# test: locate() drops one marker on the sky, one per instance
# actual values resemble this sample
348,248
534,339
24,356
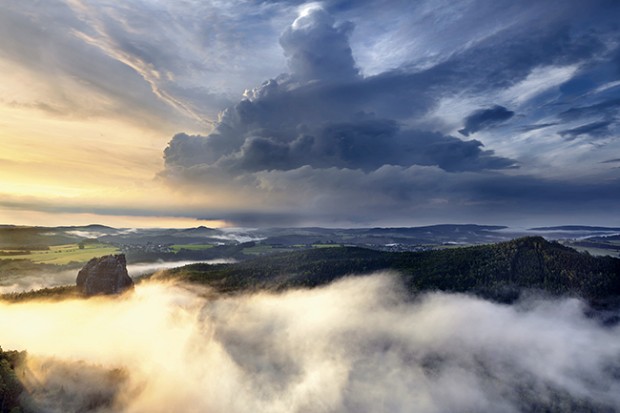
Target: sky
285,113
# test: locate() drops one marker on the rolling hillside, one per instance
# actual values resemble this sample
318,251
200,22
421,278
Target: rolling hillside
496,271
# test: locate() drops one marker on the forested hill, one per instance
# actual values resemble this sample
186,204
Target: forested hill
10,386
497,271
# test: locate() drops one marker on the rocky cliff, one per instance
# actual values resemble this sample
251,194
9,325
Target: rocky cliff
104,275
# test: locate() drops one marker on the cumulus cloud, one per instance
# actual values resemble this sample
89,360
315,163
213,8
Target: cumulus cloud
327,135
358,345
322,117
365,144
317,49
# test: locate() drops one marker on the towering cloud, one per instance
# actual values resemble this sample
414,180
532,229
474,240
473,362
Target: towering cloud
485,118
317,49
314,142
323,122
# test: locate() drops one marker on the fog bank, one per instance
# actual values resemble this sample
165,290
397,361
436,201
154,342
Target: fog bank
358,345
45,279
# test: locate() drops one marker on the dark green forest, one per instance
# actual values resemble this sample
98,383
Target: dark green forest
495,271
498,271
10,386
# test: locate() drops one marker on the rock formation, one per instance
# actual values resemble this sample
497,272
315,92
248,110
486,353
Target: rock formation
104,275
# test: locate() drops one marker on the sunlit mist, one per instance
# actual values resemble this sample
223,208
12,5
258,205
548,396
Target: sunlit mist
357,345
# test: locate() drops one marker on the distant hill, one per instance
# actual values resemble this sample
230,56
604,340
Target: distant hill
426,235
10,385
576,228
604,238
498,271
440,228
32,238
90,227
143,244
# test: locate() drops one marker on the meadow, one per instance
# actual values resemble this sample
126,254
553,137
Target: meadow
62,254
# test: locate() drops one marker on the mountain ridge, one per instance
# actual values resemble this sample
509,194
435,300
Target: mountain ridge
498,271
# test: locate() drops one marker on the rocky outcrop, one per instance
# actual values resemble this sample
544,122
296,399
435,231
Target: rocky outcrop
104,275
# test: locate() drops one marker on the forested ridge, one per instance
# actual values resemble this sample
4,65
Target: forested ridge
497,271
10,386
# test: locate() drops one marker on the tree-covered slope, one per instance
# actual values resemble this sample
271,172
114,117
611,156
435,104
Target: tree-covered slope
529,262
497,271
10,386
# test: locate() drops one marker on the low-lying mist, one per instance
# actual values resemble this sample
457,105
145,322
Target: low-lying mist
18,282
358,345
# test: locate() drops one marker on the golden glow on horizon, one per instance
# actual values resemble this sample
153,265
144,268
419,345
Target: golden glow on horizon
78,153
49,219
56,160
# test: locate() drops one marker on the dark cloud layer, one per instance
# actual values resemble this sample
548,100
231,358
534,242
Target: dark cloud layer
362,144
325,137
485,119
323,115
528,128
607,107
594,129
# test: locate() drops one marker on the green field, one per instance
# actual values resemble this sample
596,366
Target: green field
258,250
261,249
191,247
64,254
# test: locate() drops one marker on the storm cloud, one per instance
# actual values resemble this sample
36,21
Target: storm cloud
326,135
358,345
338,89
317,49
322,115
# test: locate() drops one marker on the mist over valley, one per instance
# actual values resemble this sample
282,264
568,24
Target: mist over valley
357,345
521,325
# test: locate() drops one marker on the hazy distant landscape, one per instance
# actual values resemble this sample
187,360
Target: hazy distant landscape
38,257
384,311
